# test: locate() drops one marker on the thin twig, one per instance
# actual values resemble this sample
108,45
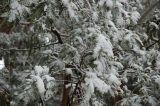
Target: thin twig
152,44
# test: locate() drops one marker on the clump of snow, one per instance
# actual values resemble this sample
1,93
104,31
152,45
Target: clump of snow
110,23
152,101
123,1
136,66
2,63
156,79
138,51
97,103
69,71
103,44
112,78
71,8
117,64
94,82
65,2
45,8
108,15
42,80
101,2
47,51
95,16
39,84
41,70
99,65
135,16
16,10
109,3
120,21
50,81
158,64
78,40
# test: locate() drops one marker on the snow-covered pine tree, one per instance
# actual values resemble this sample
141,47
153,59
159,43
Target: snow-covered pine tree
80,52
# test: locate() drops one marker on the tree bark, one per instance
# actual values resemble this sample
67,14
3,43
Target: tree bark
66,90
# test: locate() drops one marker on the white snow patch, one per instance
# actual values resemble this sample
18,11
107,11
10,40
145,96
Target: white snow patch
69,71
16,10
103,44
114,79
94,82
41,70
95,16
135,16
39,84
2,63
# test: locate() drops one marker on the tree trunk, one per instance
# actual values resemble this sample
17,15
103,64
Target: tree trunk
66,90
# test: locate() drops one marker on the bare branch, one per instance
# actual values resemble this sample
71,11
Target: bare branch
58,35
37,47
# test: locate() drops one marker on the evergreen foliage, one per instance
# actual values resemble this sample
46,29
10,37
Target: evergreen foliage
79,53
